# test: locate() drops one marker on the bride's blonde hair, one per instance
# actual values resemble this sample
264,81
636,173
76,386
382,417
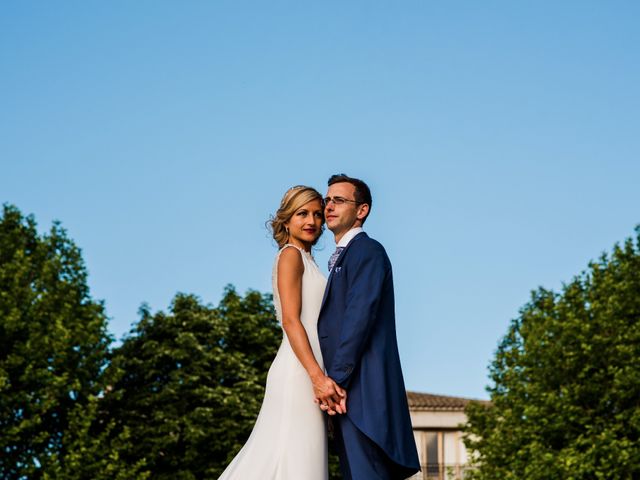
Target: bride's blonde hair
293,199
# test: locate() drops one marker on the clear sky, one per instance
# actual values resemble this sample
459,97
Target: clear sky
500,139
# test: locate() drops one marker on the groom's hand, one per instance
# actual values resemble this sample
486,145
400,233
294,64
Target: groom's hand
341,406
331,397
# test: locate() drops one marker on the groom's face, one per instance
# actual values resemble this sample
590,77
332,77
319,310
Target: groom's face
341,218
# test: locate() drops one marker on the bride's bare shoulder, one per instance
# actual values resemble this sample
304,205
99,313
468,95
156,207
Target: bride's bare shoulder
290,256
290,262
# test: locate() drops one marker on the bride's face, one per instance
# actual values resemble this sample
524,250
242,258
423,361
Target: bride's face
305,225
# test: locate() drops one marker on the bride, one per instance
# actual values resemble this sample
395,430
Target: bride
289,439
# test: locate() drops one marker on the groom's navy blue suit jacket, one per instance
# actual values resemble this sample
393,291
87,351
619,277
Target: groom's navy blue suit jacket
358,341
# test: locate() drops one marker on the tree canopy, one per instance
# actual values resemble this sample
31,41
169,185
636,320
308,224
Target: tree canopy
565,398
189,383
53,350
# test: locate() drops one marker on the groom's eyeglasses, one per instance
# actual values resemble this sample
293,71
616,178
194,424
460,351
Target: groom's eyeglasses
339,200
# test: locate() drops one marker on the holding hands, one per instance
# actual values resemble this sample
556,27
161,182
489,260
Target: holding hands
330,396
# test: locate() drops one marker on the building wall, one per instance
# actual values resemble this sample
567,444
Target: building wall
441,449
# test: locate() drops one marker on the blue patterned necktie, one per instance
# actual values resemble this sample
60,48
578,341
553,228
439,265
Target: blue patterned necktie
334,256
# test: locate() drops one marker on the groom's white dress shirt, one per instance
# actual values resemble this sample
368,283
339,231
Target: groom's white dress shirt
347,237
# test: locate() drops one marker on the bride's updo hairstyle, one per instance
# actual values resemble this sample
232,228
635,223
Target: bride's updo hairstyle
293,199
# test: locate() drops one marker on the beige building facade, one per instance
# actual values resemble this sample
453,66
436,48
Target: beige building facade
436,421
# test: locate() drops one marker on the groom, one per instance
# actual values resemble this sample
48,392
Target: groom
357,334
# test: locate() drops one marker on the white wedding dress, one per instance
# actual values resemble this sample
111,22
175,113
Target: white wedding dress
289,438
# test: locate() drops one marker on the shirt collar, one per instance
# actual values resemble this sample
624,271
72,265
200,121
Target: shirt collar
347,237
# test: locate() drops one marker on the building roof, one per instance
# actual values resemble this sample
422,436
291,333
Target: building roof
429,401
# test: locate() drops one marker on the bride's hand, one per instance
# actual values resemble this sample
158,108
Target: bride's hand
325,408
329,395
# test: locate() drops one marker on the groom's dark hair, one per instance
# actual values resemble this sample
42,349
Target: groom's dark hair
362,194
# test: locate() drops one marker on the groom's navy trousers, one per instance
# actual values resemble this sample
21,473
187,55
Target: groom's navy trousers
357,334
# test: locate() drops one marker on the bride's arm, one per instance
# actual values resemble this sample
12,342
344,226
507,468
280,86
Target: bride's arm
290,270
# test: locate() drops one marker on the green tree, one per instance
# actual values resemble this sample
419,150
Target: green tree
565,400
189,384
53,349
92,451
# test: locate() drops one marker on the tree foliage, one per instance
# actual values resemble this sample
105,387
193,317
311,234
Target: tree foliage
565,400
189,384
53,350
92,451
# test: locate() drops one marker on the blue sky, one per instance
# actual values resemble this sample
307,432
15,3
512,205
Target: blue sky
500,140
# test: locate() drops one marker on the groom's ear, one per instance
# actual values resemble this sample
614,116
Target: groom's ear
362,211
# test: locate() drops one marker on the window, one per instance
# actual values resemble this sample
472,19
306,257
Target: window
442,455
433,455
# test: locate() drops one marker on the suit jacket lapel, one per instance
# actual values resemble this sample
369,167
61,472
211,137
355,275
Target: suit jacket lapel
337,264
